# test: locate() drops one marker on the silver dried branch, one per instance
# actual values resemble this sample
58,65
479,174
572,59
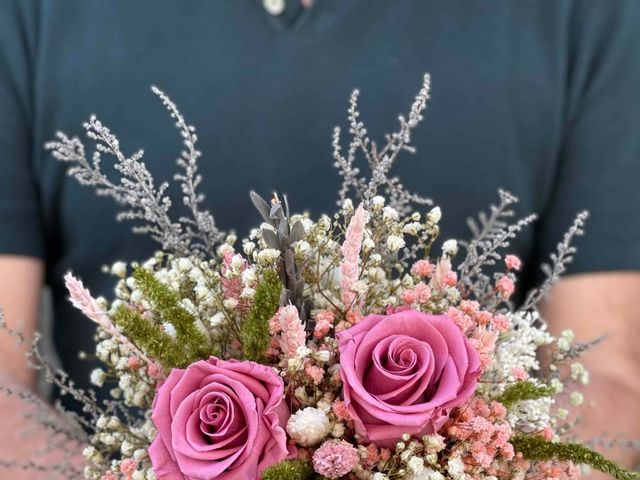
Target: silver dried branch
201,227
56,377
379,161
489,226
493,235
560,259
135,190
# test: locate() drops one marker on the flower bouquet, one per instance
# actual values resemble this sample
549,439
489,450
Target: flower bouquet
344,347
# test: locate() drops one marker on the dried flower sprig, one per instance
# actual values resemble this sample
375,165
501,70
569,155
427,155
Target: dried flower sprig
490,238
560,259
136,189
201,228
379,160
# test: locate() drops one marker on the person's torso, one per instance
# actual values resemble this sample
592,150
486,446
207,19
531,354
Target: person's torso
264,97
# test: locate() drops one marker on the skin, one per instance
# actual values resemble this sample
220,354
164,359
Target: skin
20,287
590,304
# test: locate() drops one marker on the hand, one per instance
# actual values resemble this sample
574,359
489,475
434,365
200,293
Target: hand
592,305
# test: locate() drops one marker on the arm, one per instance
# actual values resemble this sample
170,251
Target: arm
592,305
20,288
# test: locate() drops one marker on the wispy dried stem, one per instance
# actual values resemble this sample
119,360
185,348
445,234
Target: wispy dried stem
379,161
144,201
560,259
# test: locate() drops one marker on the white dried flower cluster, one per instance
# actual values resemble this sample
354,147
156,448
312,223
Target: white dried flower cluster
532,415
134,388
134,385
309,426
518,348
196,281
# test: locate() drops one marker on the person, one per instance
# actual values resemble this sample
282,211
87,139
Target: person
538,97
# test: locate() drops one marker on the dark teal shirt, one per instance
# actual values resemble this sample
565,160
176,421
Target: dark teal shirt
540,97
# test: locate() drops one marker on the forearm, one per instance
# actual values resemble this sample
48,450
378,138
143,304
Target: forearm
591,306
26,445
611,412
23,437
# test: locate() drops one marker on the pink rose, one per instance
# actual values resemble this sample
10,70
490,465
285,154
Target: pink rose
404,373
219,419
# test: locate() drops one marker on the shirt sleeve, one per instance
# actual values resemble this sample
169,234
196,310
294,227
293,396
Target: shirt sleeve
599,165
20,214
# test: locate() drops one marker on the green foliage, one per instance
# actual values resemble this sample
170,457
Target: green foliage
537,448
254,333
148,337
289,470
521,391
166,305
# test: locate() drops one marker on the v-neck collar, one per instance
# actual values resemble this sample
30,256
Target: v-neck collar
292,14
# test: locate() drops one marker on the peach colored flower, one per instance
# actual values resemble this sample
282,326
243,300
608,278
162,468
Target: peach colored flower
321,328
293,334
335,458
351,247
512,262
500,323
519,373
315,373
422,268
128,466
505,286
484,341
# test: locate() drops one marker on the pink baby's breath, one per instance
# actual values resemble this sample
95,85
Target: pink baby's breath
408,297
500,323
321,328
293,335
484,318
335,459
133,362
547,433
519,373
340,410
422,292
315,373
154,370
451,279
505,286
128,467
461,319
325,315
422,268
512,262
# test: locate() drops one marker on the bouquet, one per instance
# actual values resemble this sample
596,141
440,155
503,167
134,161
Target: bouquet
342,347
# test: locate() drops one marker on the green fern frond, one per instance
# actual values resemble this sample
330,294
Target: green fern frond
522,391
254,333
148,337
289,470
537,448
166,305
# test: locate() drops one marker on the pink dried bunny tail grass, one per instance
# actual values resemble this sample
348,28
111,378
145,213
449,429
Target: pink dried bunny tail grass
351,255
81,299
